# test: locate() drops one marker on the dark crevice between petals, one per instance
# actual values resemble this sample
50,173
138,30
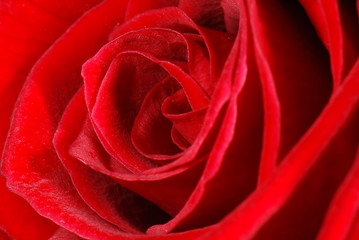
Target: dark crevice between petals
350,24
300,67
315,191
206,13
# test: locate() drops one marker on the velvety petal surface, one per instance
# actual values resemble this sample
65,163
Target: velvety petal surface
179,119
337,26
32,167
27,29
127,210
19,220
295,74
311,150
340,220
236,150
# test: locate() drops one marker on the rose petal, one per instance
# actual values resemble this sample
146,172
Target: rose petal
343,211
267,200
19,219
231,15
179,140
336,34
350,26
30,164
66,9
94,73
178,184
170,18
235,155
4,235
151,132
110,200
187,123
207,13
120,97
114,114
158,187
354,231
295,74
136,7
63,234
218,43
27,30
217,46
145,40
315,190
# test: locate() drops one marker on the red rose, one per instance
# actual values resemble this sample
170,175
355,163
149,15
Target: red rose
179,119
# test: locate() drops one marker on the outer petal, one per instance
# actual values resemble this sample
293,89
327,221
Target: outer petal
30,163
136,7
63,234
27,29
340,221
4,235
337,25
19,219
295,74
339,119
